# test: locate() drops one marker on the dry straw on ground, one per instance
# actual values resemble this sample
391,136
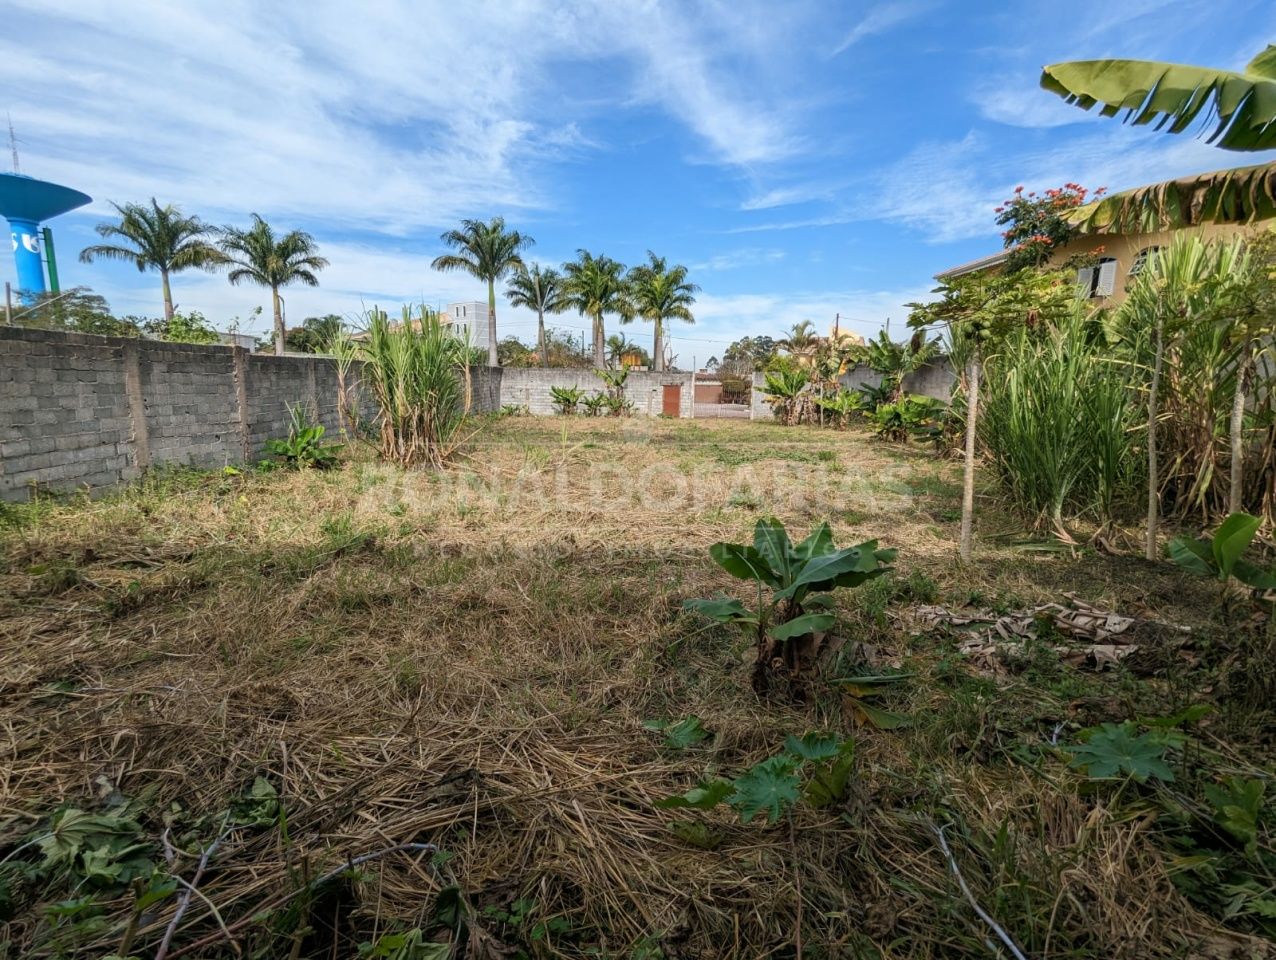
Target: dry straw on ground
466,661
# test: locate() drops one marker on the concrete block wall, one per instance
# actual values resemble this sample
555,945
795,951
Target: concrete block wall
936,379
78,410
529,387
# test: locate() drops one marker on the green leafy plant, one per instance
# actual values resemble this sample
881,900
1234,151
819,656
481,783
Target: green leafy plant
789,626
784,390
687,732
594,404
841,407
909,416
1238,806
816,767
1222,555
1112,750
304,447
101,849
859,690
565,399
410,945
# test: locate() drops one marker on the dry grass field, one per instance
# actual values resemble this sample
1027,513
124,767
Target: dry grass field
440,683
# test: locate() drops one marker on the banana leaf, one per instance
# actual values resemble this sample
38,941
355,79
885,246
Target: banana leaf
1172,96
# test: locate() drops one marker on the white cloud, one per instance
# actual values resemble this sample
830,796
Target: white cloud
744,257
879,20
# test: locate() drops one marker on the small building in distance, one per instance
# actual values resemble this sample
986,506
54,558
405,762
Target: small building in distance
1120,231
469,318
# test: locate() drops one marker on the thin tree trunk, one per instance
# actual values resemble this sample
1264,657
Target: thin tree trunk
1154,393
492,359
540,338
657,358
168,297
1236,494
968,479
279,322
600,362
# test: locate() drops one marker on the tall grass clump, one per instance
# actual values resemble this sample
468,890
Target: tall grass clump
415,371
1058,424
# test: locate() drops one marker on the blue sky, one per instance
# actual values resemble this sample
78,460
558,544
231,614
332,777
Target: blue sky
803,158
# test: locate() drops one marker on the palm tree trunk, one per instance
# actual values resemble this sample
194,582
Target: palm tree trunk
968,479
540,338
279,322
168,297
492,360
657,358
1236,432
600,361
1154,480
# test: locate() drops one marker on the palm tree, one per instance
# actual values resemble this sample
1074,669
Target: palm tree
488,252
158,238
658,292
541,289
596,286
1173,95
801,337
256,254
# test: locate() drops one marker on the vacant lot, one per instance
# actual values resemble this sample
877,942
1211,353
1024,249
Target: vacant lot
322,667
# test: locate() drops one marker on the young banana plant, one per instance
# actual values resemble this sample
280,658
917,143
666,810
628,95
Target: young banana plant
793,609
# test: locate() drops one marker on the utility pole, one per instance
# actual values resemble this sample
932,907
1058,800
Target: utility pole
8,303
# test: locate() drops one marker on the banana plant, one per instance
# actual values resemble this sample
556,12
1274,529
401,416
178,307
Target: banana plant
565,399
1172,95
1221,556
792,613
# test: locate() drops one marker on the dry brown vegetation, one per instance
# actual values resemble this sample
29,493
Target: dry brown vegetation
466,660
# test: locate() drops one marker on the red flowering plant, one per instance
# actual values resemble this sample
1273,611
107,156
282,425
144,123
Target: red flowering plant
1037,225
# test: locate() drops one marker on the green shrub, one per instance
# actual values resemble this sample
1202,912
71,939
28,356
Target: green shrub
304,447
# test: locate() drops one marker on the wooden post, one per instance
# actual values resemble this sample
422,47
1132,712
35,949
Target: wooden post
8,303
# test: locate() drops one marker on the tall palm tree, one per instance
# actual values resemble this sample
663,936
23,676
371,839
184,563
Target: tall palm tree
488,252
802,337
258,255
541,289
596,286
658,292
1173,95
157,238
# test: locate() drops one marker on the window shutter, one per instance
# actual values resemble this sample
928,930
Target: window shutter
1107,278
1085,280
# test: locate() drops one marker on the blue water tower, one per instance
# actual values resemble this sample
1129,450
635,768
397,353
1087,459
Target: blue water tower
26,202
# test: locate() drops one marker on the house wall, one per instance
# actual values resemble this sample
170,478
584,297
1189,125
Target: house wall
1125,247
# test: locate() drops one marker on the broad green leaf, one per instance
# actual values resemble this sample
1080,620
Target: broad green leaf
1116,749
820,601
722,609
1193,555
770,787
771,541
1231,540
1174,95
1238,805
812,746
697,833
160,887
877,717
685,733
824,568
818,543
1253,576
801,626
744,562
703,796
829,780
